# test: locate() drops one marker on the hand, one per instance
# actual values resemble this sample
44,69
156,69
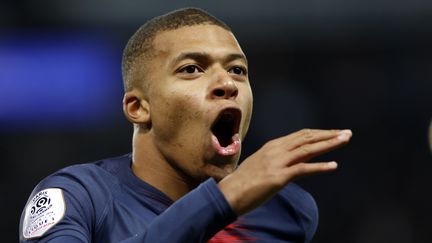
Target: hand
277,163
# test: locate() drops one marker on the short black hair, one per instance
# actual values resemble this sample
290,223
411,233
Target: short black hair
140,44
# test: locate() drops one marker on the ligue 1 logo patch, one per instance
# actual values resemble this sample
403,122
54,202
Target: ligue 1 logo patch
43,211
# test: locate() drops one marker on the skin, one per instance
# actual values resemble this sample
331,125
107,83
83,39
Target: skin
198,71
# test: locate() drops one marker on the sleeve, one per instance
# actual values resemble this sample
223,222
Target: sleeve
194,218
308,213
305,208
58,206
63,239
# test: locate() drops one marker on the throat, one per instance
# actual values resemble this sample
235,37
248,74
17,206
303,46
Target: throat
150,166
171,186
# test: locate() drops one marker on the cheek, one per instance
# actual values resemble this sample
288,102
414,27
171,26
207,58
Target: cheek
173,114
247,104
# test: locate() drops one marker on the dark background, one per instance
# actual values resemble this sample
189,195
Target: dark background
363,65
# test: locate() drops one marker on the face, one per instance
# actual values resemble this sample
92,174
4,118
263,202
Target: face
200,100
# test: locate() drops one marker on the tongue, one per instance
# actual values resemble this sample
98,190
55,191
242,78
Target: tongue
231,149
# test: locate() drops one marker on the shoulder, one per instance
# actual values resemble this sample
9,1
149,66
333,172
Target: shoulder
299,198
95,179
303,205
290,216
92,176
78,193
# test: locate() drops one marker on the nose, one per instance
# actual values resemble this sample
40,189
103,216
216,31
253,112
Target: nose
225,89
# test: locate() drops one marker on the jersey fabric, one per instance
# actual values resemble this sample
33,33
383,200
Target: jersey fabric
105,202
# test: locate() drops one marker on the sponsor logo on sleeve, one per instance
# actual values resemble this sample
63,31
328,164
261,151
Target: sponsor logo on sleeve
43,211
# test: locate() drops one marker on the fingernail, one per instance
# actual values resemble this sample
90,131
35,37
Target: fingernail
332,164
344,135
348,131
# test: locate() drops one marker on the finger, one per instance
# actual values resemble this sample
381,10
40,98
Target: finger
307,136
307,169
305,152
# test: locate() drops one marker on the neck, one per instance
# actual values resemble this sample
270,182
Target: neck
149,164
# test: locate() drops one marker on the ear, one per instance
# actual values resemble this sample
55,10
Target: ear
136,108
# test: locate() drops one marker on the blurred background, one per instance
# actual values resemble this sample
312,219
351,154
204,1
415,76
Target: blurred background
364,65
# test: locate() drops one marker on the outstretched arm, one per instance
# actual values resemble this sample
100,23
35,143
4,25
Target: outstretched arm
277,163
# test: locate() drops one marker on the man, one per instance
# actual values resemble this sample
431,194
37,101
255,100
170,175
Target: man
188,95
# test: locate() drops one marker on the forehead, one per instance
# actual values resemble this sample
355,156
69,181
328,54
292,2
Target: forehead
198,38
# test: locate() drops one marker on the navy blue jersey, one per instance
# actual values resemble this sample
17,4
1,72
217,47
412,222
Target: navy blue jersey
105,202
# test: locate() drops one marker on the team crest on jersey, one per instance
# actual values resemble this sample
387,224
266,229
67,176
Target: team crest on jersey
43,211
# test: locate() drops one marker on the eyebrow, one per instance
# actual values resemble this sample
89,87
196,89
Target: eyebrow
206,57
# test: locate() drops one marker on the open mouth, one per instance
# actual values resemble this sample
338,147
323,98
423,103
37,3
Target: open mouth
226,126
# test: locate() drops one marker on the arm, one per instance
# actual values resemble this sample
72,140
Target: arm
194,218
276,164
64,239
272,168
208,208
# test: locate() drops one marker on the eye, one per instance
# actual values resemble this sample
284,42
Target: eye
238,70
190,69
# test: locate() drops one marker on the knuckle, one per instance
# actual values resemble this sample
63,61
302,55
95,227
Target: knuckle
333,132
307,134
305,149
297,170
300,169
305,131
331,142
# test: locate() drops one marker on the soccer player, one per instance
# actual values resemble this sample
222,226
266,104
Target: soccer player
188,96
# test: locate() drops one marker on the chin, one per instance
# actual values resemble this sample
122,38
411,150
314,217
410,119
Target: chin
218,171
